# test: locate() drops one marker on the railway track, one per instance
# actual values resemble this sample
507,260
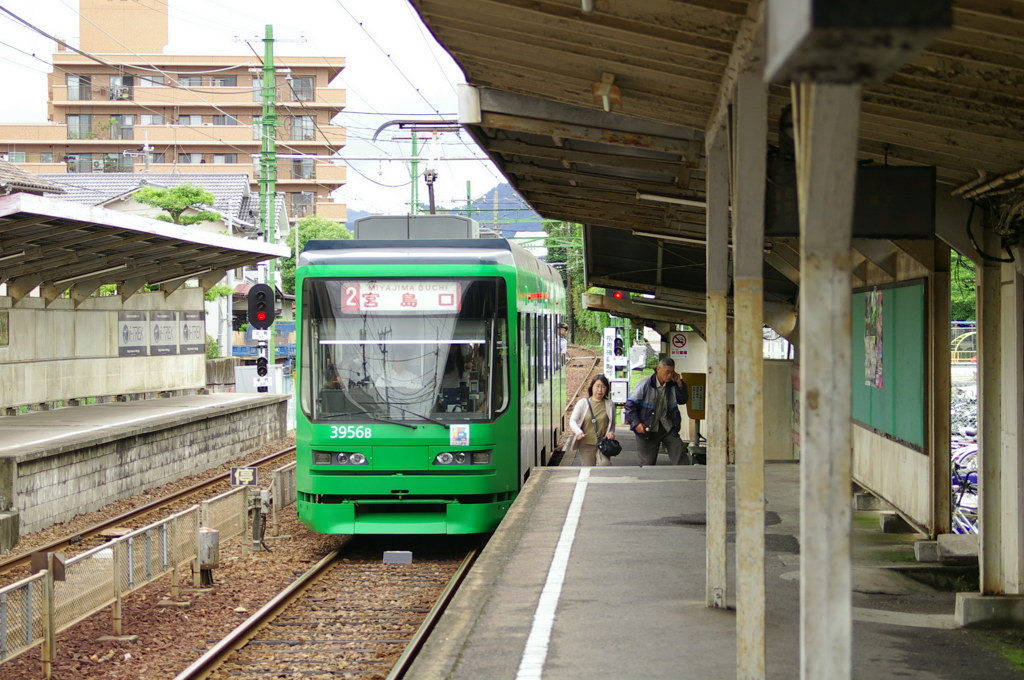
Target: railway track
80,541
348,616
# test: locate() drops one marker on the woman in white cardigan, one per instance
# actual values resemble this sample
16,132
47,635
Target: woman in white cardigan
582,425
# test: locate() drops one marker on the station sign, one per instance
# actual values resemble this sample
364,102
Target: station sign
245,476
132,334
163,333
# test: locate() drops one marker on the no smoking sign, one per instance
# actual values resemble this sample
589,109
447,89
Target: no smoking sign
677,345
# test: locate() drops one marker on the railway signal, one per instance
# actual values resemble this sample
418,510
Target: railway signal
261,306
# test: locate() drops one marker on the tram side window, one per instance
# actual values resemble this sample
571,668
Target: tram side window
538,336
500,392
526,360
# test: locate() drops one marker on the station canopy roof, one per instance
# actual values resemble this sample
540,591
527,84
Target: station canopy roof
638,170
61,247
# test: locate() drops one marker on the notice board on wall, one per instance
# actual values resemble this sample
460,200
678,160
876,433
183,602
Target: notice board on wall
888,360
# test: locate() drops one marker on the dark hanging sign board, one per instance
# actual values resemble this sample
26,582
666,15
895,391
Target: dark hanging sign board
892,201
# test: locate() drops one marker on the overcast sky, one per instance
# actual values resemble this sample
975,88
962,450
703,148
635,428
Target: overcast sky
394,69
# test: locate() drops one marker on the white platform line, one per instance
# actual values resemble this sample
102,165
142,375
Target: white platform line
536,653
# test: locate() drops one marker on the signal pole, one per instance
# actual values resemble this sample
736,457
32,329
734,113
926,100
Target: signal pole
268,167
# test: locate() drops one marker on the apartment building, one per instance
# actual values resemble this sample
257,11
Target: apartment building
131,108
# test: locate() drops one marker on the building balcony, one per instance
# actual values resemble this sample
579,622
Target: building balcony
332,211
163,96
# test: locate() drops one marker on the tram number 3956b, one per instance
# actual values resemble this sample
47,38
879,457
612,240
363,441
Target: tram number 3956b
350,432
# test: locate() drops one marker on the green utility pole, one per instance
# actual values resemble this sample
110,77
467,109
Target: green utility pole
414,174
268,170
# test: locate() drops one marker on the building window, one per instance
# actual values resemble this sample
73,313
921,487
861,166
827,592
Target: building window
303,169
302,128
122,127
225,120
151,81
225,158
190,158
190,81
16,156
45,156
157,157
151,119
224,81
115,162
301,203
257,127
302,89
80,162
80,126
190,119
122,88
257,89
79,88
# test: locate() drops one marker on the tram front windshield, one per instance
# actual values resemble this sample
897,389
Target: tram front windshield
402,349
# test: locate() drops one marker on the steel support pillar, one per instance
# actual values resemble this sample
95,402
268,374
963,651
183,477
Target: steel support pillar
717,414
826,119
1012,420
750,119
990,421
939,387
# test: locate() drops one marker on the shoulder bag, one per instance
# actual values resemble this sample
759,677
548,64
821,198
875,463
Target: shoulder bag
609,447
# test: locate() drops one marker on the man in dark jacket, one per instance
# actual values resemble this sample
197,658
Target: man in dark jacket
652,413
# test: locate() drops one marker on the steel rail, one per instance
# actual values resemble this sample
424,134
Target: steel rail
61,543
240,636
404,662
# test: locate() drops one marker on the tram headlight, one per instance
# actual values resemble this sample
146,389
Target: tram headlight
342,459
463,458
357,459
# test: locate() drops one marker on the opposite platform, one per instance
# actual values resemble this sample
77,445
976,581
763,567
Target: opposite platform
60,463
630,543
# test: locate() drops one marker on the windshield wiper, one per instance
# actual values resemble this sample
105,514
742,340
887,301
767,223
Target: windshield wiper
366,414
418,415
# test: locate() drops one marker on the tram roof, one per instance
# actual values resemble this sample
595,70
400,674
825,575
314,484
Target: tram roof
536,66
59,245
423,252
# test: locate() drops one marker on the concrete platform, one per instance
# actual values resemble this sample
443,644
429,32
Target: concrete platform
60,463
629,544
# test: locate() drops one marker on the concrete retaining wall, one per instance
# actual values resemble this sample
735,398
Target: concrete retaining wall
56,486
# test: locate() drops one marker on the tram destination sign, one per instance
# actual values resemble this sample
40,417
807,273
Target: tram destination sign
360,297
132,335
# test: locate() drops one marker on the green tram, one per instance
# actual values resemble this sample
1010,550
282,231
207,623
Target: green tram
429,382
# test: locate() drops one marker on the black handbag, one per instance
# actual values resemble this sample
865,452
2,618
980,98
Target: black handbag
609,447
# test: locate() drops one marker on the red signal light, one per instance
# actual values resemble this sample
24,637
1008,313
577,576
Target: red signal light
617,295
261,316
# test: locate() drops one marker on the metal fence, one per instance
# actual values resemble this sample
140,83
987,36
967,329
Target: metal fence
963,410
35,609
282,490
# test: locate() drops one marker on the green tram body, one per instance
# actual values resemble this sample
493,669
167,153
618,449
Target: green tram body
512,407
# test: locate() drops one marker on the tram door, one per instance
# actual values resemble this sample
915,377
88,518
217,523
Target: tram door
527,401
